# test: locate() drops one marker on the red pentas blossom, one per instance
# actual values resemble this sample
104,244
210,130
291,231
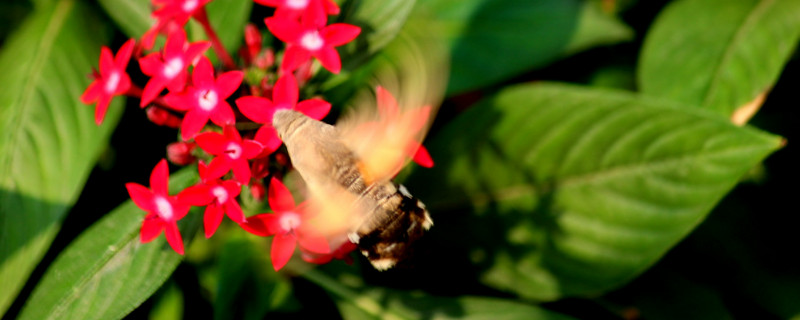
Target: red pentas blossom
163,210
112,79
293,9
286,224
218,196
168,68
231,153
178,11
205,99
284,96
310,37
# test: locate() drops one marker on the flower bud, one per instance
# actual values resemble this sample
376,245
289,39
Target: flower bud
180,153
257,190
163,117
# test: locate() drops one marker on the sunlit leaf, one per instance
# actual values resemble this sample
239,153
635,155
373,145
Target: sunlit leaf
723,67
48,139
559,190
107,272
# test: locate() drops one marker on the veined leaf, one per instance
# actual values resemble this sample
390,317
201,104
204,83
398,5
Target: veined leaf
48,139
723,67
381,303
107,272
132,16
560,190
494,40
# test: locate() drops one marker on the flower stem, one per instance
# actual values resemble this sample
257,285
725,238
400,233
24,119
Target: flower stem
202,17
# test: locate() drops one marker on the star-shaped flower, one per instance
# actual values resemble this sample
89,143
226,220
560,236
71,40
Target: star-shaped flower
311,37
168,68
231,153
112,79
294,9
284,96
286,224
218,196
178,11
163,210
205,99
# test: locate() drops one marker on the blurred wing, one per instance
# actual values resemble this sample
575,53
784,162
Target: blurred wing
385,130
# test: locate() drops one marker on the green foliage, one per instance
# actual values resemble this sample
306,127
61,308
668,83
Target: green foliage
48,140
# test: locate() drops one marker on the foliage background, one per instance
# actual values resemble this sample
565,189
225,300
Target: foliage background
516,234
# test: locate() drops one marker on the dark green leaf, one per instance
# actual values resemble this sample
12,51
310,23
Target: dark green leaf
559,190
106,272
48,139
380,22
380,303
132,16
725,66
228,18
494,40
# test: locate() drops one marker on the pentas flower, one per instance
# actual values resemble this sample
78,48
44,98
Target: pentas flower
310,37
205,99
168,68
178,11
286,224
163,210
294,9
231,153
112,79
285,95
218,196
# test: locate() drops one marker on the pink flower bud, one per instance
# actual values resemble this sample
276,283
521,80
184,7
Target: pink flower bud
260,168
163,117
252,38
180,153
258,191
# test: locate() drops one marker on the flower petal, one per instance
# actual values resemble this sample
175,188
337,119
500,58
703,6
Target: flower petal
285,29
257,109
422,157
241,170
218,167
159,178
175,42
314,108
260,224
223,115
92,92
387,104
195,50
203,74
268,137
151,228
293,57
251,148
100,109
314,243
338,34
232,187
211,142
283,246
124,54
286,90
280,199
106,60
329,58
198,195
152,89
228,82
174,237
151,64
141,196
212,219
193,122
234,211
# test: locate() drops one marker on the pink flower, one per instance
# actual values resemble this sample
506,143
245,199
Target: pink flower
294,9
231,153
310,37
218,196
112,79
168,68
286,224
163,211
178,11
205,99
284,96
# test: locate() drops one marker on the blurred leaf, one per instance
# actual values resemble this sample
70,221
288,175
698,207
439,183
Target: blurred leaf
107,272
48,139
170,304
248,287
132,16
228,18
494,40
575,191
615,76
381,303
725,66
380,22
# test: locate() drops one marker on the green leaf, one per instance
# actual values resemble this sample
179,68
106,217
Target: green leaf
132,16
381,303
48,138
723,67
380,22
228,18
560,190
494,40
106,272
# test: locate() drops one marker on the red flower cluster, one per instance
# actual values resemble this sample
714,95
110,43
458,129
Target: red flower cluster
239,143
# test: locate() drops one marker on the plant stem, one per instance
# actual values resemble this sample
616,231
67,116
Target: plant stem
202,17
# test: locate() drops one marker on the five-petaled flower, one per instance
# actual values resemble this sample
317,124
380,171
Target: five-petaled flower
205,99
294,9
168,68
163,210
112,79
218,196
286,224
284,96
311,37
231,153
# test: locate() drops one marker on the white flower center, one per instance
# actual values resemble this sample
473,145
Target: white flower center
234,150
173,67
208,100
220,193
112,82
289,221
189,5
163,208
312,41
297,4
